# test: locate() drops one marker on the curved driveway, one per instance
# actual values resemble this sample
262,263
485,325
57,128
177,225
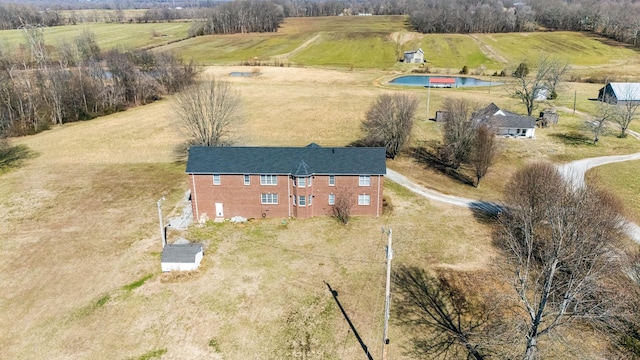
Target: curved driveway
573,171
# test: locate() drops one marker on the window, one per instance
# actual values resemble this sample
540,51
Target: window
365,180
332,199
216,179
294,200
268,180
247,180
269,198
302,201
332,180
302,182
309,181
364,199
309,199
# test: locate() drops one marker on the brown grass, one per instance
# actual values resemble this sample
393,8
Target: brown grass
80,223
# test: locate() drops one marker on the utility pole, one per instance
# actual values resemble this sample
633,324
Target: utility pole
387,301
162,233
428,96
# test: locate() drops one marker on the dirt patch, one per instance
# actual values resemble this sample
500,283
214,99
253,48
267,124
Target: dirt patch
488,51
305,45
404,37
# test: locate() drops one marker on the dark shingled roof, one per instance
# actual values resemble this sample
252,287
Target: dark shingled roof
180,253
307,160
493,115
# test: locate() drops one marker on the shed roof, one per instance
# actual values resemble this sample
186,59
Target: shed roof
180,253
419,50
442,80
625,91
308,160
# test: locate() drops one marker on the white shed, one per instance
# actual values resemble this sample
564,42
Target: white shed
181,257
416,56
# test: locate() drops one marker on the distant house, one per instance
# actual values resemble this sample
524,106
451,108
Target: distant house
415,57
506,123
301,182
181,257
617,92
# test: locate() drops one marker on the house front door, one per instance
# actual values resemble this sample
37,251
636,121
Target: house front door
219,212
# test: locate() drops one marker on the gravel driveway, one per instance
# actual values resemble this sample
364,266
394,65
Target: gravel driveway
573,171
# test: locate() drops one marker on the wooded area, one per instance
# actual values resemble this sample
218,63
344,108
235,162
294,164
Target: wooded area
614,19
76,81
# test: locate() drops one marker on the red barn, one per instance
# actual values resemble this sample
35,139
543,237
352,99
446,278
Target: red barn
284,181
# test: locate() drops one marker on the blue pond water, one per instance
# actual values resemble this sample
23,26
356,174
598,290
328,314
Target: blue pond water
238,73
422,80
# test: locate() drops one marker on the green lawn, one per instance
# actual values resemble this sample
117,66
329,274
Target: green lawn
361,50
108,36
455,51
622,180
581,49
235,48
359,42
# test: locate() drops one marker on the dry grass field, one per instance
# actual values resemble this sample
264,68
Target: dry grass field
80,245
80,249
80,239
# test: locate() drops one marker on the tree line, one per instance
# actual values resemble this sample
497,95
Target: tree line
243,16
615,19
76,81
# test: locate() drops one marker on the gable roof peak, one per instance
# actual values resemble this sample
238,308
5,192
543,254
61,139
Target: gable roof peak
302,169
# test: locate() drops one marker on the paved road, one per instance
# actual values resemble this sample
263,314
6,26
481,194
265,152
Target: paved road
573,171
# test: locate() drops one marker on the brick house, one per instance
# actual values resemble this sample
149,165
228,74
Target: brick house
284,181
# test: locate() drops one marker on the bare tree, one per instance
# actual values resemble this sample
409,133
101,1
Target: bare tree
597,126
87,45
458,131
528,87
343,203
557,70
209,112
484,151
389,121
34,36
559,243
626,110
442,320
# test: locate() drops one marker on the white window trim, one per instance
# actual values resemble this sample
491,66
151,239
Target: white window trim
246,179
332,199
332,183
214,179
264,177
363,197
266,197
364,180
304,199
